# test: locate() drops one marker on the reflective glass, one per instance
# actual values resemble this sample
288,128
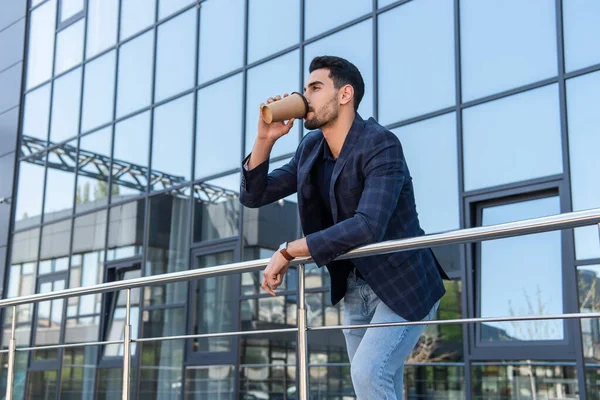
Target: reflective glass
66,101
416,60
110,383
136,15
98,92
538,291
78,373
160,369
321,16
214,382
583,96
116,305
343,44
92,178
69,8
48,321
172,142
276,77
102,21
168,7
176,55
214,305
37,113
60,182
168,245
130,162
56,240
216,208
531,120
40,53
212,133
41,385
136,61
580,26
126,230
223,19
506,44
433,181
69,47
30,194
261,14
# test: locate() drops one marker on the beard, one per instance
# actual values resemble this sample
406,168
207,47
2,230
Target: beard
326,114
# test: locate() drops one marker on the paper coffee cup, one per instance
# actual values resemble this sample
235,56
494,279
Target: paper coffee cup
293,106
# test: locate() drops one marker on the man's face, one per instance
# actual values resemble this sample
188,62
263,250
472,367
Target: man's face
323,105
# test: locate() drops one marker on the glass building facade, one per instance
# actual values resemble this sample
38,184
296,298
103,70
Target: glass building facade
123,124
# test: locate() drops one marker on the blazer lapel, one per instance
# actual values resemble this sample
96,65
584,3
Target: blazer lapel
351,139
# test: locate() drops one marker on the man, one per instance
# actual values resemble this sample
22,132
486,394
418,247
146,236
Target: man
354,188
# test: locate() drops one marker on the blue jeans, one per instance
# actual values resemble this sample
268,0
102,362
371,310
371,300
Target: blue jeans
377,355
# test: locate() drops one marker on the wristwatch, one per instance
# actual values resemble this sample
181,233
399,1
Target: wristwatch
284,252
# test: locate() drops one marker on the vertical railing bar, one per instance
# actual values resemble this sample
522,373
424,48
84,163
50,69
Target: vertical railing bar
127,349
12,345
302,338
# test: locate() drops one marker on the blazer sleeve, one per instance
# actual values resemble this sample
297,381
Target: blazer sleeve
259,187
384,178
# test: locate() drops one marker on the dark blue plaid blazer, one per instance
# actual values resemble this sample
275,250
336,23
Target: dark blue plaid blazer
372,200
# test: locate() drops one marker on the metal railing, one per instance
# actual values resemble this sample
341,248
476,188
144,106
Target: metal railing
526,227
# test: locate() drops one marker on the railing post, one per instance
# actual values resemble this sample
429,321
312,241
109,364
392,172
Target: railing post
127,349
12,347
302,338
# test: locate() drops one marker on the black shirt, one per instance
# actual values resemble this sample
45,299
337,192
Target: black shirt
323,171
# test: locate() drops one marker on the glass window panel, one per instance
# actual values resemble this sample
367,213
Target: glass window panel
66,101
214,382
78,373
491,130
25,246
261,40
40,56
116,323
98,92
90,234
126,230
69,8
69,47
130,162
36,2
136,61
41,385
278,76
538,291
56,240
136,15
30,194
214,305
416,60
168,7
433,181
172,142
584,141
92,179
343,44
588,278
168,244
211,133
102,21
217,208
533,380
506,45
223,19
383,3
580,25
160,370
321,16
176,55
49,320
60,182
37,113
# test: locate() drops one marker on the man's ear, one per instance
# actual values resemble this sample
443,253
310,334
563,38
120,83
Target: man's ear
346,94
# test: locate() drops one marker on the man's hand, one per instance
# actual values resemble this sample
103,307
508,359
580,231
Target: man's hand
274,273
273,131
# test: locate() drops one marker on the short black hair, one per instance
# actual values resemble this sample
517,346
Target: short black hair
342,72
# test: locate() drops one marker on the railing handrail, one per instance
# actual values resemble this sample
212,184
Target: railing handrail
461,236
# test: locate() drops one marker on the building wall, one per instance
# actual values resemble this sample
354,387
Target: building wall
137,114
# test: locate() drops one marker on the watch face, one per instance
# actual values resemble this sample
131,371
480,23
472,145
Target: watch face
282,246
